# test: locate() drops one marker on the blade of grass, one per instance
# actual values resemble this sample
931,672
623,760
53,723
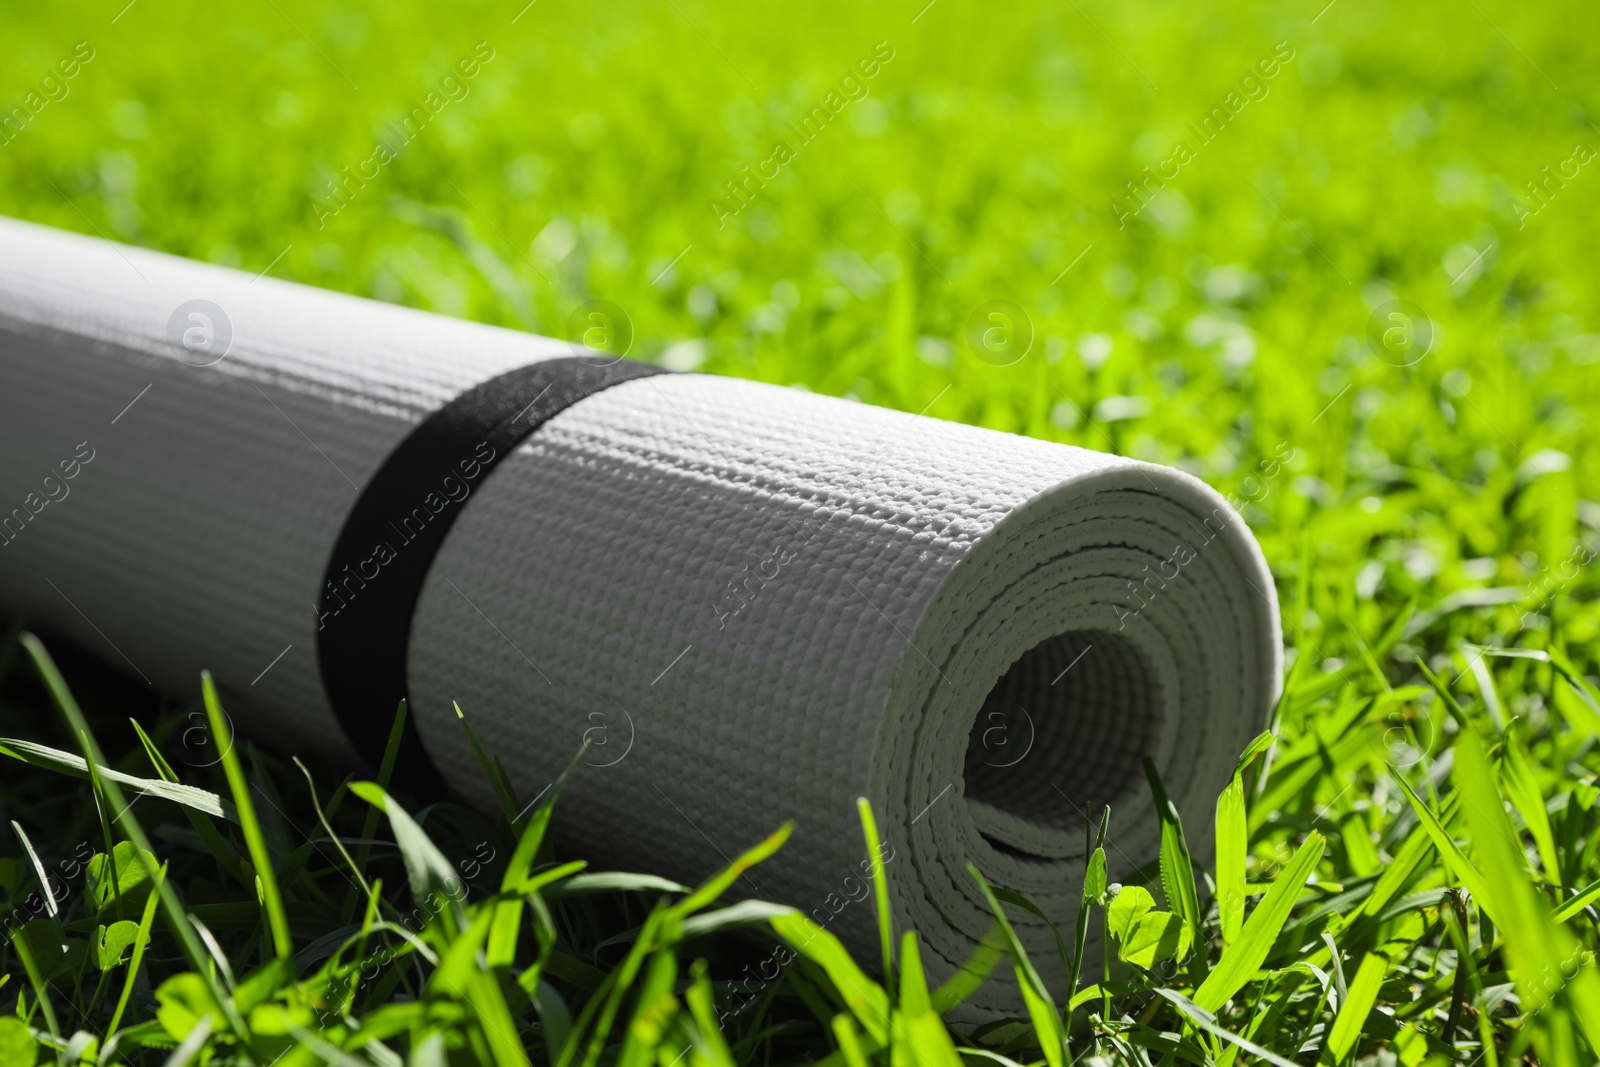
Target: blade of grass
1233,842
1522,786
1047,1023
1093,894
431,875
616,882
494,771
459,961
849,1042
1177,864
1479,667
1240,960
41,988
1443,691
508,914
1540,949
716,885
1233,837
200,800
1585,897
1354,1009
1580,685
311,790
38,869
249,824
921,1032
1006,896
702,1005
865,998
103,810
880,888
1458,929
989,951
1454,858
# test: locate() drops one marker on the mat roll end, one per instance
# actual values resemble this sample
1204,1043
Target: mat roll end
801,600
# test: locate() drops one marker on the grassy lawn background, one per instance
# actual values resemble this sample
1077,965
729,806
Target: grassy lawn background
1417,501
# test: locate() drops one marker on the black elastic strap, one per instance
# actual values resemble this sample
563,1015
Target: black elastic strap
400,519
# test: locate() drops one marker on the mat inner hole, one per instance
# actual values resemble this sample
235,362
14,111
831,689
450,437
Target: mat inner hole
1063,731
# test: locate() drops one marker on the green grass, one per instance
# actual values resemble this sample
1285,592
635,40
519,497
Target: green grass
1404,876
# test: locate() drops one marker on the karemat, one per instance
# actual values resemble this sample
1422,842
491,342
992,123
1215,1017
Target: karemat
755,603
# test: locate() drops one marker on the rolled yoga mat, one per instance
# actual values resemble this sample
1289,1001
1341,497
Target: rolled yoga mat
755,603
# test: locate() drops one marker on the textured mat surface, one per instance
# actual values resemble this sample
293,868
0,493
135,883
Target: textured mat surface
755,603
